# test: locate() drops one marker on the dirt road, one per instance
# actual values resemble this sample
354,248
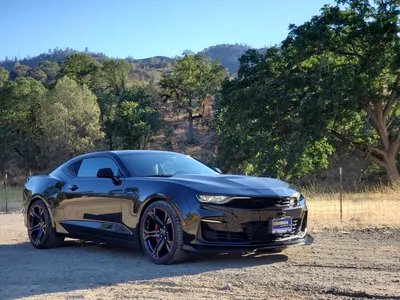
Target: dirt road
356,264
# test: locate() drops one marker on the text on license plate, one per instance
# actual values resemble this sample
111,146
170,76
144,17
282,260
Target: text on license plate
282,225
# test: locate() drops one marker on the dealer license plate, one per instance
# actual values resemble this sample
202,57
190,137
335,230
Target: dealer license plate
281,225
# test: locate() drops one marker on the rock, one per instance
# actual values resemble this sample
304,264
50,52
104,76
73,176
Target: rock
239,284
227,287
355,219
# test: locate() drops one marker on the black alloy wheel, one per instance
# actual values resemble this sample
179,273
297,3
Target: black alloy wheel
37,224
40,230
162,235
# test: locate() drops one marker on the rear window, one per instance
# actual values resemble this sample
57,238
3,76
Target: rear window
74,168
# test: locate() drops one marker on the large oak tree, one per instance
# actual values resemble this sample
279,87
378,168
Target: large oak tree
351,58
333,84
192,79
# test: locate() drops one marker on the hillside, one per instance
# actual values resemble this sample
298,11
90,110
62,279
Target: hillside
227,54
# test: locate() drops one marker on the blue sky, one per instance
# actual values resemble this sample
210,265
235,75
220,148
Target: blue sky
143,28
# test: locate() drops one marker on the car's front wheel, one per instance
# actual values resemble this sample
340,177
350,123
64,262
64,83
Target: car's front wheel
162,234
41,232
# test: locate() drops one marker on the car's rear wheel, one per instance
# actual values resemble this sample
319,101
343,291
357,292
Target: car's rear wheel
40,230
162,234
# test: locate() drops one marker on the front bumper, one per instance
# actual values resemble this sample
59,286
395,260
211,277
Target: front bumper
303,238
220,228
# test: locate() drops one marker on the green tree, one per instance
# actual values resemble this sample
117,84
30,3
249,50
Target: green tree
37,74
114,74
109,106
332,85
21,103
136,124
3,76
350,58
138,117
71,120
51,69
80,67
21,70
260,130
193,78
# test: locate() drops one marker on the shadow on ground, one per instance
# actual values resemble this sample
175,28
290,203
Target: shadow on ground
26,271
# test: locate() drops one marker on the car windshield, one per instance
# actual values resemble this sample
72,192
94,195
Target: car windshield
163,164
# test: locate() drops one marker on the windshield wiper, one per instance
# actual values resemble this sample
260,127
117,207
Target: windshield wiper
158,175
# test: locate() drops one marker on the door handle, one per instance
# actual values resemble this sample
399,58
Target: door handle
73,187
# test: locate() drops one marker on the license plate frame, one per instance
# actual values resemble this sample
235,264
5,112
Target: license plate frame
280,225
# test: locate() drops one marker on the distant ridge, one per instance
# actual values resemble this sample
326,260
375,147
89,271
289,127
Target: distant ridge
227,54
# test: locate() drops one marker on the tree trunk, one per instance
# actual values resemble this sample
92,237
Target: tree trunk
190,127
391,169
386,154
110,142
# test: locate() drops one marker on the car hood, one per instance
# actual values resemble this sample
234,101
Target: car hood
234,185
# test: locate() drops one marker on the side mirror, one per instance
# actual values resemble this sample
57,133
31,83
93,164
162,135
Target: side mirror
108,173
218,170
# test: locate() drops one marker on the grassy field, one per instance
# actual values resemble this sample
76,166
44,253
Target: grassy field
374,208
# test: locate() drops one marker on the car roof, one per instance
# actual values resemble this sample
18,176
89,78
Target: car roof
120,152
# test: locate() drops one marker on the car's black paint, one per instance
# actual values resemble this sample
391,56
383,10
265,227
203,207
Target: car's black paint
102,209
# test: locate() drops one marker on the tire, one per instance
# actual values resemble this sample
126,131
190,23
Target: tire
41,233
161,234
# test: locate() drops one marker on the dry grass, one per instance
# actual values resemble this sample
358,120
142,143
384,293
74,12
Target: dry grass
379,207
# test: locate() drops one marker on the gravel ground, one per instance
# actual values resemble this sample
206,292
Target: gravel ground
361,264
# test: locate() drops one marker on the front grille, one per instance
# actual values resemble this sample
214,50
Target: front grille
221,236
262,202
257,231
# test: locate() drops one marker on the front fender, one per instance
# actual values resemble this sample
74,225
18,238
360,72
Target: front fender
157,197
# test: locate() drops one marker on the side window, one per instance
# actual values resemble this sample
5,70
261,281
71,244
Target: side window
74,168
90,166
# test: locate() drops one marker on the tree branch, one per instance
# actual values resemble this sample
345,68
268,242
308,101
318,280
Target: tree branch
390,122
376,149
376,159
348,53
370,151
178,106
378,125
198,116
396,144
384,4
393,97
19,152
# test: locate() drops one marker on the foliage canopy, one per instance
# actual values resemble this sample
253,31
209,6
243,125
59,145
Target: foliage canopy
333,85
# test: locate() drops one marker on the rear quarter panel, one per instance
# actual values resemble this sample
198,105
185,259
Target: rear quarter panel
47,189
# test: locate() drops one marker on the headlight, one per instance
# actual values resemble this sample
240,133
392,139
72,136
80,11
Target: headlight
213,199
301,201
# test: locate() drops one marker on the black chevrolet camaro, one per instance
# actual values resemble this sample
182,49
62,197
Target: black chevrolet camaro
168,203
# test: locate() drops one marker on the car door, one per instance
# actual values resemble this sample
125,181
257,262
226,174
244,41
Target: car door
92,205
